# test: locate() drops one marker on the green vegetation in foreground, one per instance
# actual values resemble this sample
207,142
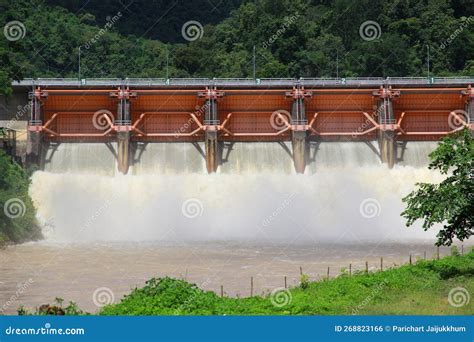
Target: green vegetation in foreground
451,201
17,214
421,288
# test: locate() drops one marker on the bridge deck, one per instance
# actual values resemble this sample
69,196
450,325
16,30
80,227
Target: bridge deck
246,82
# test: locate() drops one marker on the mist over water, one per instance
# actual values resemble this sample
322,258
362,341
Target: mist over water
346,195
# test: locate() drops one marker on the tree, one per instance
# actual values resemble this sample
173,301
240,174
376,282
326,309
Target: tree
452,201
17,213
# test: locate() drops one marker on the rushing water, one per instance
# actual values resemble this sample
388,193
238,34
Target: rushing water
255,217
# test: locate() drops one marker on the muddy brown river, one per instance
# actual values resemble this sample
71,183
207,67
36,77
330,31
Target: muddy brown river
35,273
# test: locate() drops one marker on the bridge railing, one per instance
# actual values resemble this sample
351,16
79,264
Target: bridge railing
307,82
145,81
288,82
116,82
247,82
57,82
407,80
234,81
453,80
202,82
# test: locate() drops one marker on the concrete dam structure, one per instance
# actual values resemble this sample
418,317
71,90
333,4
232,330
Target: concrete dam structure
392,120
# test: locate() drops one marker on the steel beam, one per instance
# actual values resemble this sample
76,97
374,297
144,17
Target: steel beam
211,127
387,126
298,126
35,135
123,127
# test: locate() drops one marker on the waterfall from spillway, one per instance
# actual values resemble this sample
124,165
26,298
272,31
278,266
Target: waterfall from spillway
345,195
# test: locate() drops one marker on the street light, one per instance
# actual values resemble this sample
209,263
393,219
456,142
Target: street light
254,65
428,49
79,64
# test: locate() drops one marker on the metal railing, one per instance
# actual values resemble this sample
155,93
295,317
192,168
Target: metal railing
116,82
212,122
35,123
299,122
408,80
451,80
320,82
122,122
145,81
247,82
234,81
387,121
188,81
289,82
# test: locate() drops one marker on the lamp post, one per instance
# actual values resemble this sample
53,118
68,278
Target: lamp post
428,62
79,63
254,65
167,62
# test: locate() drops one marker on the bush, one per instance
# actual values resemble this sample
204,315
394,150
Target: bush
17,214
304,281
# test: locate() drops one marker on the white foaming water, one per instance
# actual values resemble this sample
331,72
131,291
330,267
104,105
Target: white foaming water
255,196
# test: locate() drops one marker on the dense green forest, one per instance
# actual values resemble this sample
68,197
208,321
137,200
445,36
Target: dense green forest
152,19
292,38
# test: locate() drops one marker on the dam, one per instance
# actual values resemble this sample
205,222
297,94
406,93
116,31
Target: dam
245,159
209,125
216,181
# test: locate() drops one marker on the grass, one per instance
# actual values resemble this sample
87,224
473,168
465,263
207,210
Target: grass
421,288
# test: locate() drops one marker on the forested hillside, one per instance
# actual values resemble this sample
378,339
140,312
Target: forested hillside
292,38
153,19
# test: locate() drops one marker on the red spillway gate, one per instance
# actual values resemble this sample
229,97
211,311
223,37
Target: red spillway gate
249,110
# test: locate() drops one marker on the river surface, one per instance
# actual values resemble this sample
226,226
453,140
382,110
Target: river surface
35,273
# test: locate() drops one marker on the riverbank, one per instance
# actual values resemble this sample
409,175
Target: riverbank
427,287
